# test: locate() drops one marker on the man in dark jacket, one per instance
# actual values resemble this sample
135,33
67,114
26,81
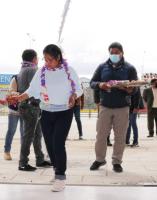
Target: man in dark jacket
114,106
150,98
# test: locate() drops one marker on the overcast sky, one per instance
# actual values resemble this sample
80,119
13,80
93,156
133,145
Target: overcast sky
91,25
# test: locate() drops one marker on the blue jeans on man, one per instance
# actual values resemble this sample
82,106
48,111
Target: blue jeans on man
12,126
133,125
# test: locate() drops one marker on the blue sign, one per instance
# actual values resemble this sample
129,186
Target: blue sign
5,79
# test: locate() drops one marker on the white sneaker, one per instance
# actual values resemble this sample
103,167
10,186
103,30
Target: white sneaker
58,185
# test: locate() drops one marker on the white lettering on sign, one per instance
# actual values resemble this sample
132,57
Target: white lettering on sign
5,78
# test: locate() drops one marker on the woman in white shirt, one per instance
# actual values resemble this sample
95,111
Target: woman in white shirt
57,86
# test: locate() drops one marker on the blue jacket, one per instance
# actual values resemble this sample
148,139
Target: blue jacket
115,98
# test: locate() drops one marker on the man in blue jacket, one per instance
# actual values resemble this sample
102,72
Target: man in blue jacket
114,106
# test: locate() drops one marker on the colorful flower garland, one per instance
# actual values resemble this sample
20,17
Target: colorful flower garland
43,82
28,64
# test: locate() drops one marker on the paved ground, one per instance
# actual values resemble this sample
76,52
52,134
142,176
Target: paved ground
40,192
140,164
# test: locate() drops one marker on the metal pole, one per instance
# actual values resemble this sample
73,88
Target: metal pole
65,11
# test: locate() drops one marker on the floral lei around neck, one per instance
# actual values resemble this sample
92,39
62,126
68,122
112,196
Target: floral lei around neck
28,64
64,66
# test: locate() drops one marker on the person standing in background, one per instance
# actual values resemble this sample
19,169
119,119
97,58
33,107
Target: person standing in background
136,104
30,113
13,118
150,98
79,104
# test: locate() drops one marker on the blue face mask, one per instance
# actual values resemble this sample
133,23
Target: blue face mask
115,58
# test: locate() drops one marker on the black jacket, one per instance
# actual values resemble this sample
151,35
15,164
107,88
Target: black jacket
115,98
148,98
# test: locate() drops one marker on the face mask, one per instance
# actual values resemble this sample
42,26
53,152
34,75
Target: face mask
115,58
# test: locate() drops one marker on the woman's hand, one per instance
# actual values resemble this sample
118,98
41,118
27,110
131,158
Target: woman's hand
15,98
3,101
72,100
12,98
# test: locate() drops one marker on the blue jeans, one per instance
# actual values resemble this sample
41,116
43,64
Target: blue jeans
78,119
12,126
133,124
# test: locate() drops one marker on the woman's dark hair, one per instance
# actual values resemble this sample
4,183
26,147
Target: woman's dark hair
29,55
54,51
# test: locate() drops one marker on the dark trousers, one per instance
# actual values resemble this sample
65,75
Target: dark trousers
55,128
151,116
78,118
133,125
108,139
31,134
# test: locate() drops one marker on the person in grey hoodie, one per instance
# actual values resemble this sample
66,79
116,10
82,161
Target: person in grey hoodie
30,112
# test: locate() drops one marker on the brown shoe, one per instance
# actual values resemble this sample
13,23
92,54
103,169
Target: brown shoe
7,156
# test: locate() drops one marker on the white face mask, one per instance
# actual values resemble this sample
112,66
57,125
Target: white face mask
115,58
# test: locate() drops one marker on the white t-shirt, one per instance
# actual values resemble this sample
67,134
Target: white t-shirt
57,84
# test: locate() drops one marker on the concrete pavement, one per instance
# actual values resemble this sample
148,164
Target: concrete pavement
140,164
